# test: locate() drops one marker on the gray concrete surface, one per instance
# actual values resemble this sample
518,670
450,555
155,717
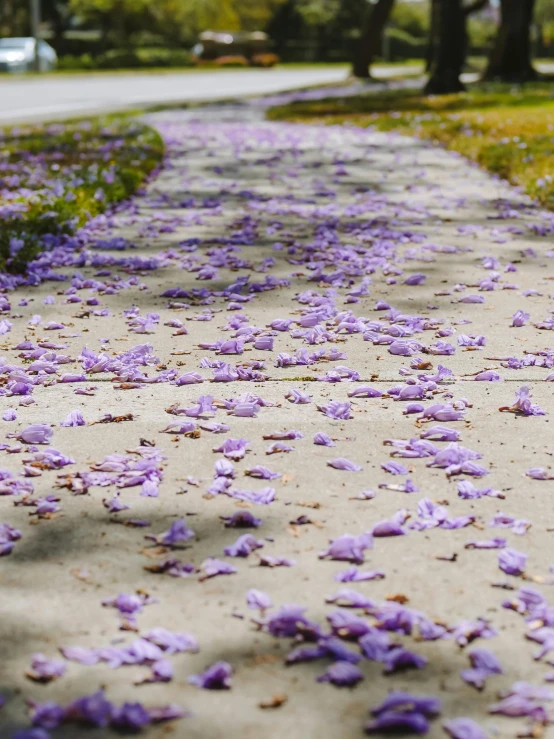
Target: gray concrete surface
58,97
61,570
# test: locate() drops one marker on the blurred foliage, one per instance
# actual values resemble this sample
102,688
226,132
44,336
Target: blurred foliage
141,58
412,18
507,130
307,30
177,20
54,178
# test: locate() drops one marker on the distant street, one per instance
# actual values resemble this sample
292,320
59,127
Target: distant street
32,99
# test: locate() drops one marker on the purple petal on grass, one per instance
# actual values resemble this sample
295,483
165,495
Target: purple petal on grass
342,674
35,733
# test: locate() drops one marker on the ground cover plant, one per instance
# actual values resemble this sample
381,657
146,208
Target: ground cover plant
54,178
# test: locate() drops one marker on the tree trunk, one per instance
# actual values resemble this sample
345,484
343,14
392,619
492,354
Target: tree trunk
510,58
449,49
371,38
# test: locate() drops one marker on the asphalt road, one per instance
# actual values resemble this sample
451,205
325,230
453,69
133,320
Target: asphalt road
57,97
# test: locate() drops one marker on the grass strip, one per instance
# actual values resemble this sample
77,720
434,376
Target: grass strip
54,178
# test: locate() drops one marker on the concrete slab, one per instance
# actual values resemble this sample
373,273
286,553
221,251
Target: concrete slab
63,567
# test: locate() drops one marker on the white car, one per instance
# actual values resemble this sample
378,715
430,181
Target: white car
18,55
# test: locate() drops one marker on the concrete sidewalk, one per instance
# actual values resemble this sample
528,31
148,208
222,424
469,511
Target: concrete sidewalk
278,203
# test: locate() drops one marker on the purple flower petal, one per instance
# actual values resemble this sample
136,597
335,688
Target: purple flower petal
342,674
345,465
512,562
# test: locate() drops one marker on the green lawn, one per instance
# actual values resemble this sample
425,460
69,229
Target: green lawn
510,131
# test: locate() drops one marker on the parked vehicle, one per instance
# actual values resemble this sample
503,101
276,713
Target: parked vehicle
18,55
234,49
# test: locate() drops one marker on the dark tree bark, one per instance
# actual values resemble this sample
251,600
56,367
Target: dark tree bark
448,49
371,38
510,58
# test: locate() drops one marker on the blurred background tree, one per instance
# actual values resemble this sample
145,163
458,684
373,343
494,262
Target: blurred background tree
115,33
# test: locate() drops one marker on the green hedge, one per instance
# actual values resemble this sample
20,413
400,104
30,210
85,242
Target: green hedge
143,58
